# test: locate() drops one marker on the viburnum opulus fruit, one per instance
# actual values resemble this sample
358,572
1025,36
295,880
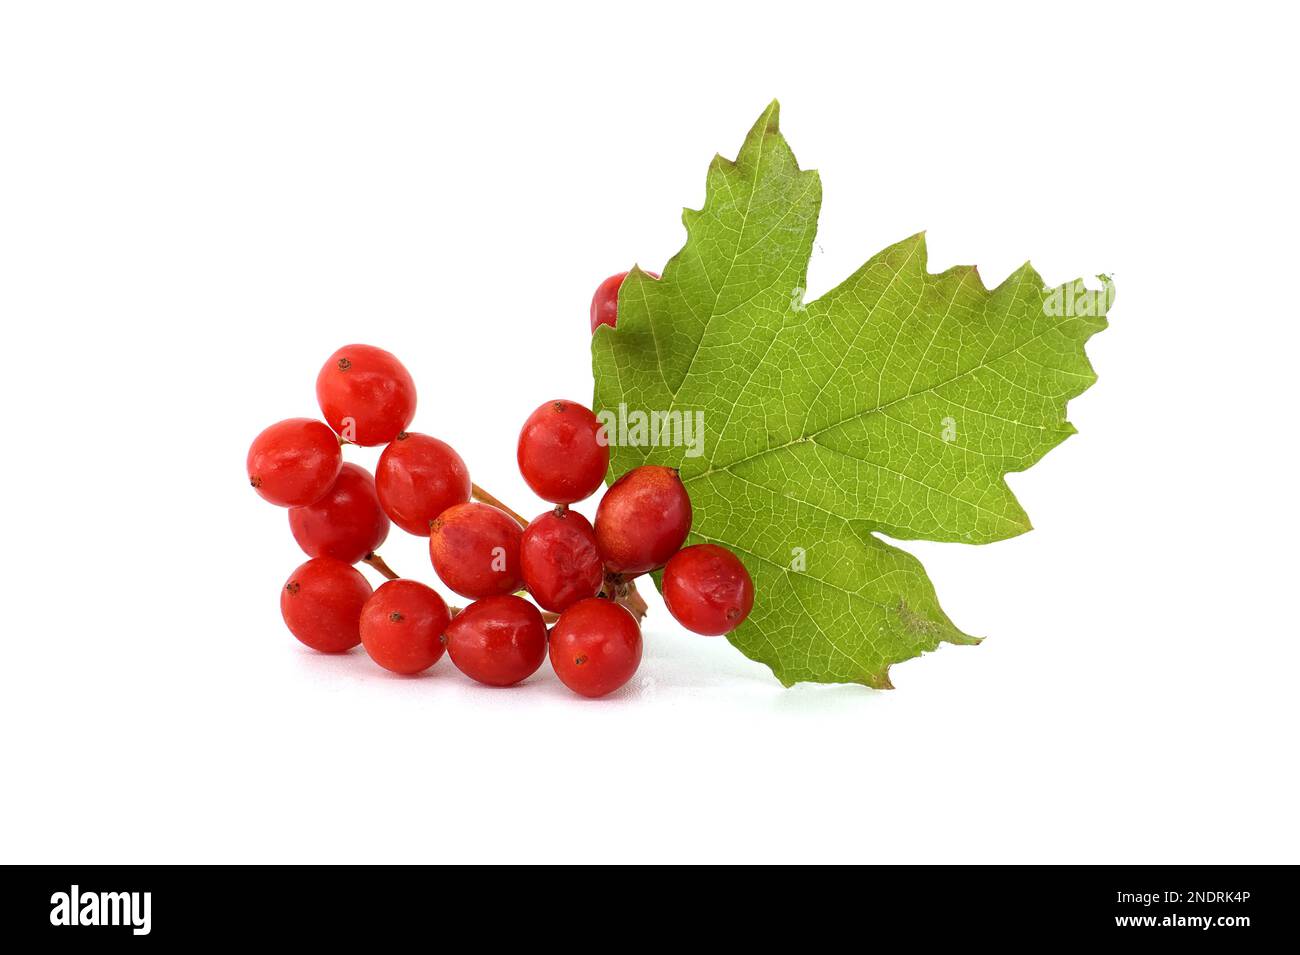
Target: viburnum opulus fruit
642,520
563,453
418,477
339,514
402,625
475,550
559,559
294,462
707,589
366,394
595,647
498,640
347,523
604,304
321,604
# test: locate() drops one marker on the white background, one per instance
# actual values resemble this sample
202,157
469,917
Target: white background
199,202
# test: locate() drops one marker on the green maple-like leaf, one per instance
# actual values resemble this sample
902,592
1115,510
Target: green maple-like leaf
896,404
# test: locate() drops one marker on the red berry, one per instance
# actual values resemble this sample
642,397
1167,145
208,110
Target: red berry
559,559
419,477
294,462
475,550
498,640
366,394
595,647
402,626
604,304
642,520
321,604
346,524
563,453
707,589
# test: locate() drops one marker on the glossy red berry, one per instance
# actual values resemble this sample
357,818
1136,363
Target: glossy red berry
366,394
475,550
347,523
604,304
321,604
498,640
559,559
595,647
642,520
419,477
294,462
707,589
402,626
562,452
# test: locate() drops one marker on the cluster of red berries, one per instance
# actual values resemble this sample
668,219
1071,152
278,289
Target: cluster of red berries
580,574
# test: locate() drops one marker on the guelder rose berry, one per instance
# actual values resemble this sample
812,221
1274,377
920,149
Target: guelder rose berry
559,559
366,394
347,523
642,520
419,477
604,304
498,640
475,550
321,604
563,453
707,589
340,514
294,462
595,647
402,626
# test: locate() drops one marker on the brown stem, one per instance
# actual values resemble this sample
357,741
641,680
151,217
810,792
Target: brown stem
377,562
633,602
486,498
624,593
